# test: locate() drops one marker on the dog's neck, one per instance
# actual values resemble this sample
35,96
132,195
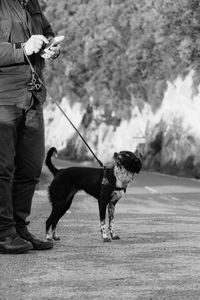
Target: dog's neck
123,177
111,179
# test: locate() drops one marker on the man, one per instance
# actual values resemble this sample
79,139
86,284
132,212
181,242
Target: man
23,33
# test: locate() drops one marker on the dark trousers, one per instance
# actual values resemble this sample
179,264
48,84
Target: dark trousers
21,158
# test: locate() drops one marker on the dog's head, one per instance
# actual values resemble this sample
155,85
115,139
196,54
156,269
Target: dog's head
128,160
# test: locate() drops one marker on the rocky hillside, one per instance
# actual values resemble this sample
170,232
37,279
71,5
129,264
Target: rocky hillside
173,132
168,140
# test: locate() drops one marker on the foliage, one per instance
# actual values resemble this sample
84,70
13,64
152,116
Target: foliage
120,52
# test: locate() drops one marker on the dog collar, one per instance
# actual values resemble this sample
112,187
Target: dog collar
109,179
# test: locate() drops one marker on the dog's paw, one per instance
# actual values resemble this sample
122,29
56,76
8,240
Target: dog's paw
107,239
115,237
48,237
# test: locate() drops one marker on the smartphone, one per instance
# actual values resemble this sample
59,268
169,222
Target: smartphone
53,43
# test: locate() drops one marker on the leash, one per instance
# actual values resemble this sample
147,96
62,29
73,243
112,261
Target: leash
100,163
36,84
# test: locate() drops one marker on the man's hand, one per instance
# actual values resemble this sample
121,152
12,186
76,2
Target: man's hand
51,53
34,44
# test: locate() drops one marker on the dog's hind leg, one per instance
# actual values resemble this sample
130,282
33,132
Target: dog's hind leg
48,225
116,195
52,221
59,208
58,213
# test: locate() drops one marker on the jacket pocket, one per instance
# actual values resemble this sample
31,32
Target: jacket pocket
5,29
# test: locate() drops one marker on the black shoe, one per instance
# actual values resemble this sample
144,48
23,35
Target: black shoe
36,243
14,244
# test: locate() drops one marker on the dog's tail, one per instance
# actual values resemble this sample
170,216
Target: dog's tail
48,161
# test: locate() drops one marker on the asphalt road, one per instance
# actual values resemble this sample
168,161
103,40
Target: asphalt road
157,257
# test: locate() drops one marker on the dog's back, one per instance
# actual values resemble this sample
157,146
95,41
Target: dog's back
83,178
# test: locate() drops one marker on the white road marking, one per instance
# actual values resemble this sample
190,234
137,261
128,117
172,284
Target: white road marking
151,189
165,197
176,176
174,198
162,195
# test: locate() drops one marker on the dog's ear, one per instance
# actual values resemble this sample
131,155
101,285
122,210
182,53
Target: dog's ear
118,163
117,160
115,155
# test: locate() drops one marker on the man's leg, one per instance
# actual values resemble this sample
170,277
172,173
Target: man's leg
9,119
10,242
28,164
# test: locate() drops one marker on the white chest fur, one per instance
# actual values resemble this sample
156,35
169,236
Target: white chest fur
123,177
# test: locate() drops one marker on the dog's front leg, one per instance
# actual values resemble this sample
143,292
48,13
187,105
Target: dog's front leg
103,231
116,195
102,213
111,210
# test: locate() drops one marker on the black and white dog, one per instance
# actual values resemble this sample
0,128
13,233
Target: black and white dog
106,184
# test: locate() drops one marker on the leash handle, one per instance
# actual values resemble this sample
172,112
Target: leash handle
34,72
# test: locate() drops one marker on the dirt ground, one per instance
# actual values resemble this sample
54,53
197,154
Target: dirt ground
157,257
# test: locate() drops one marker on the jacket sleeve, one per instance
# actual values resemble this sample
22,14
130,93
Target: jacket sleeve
10,54
47,30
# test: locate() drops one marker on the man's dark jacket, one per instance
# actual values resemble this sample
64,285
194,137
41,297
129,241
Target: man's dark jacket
16,27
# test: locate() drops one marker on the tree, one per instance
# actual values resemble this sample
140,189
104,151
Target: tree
117,51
